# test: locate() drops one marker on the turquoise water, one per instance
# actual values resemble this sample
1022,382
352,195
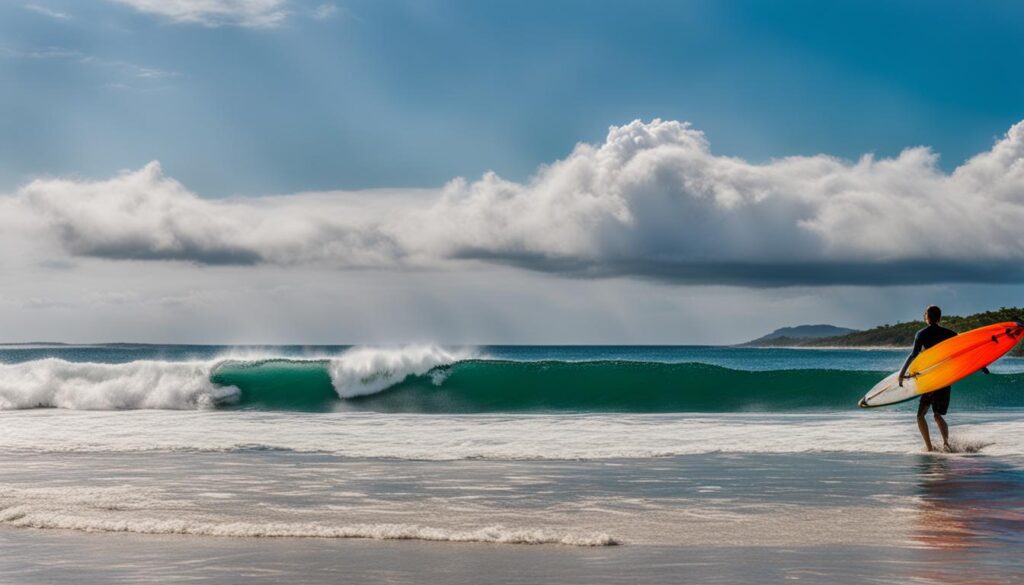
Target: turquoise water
478,386
499,379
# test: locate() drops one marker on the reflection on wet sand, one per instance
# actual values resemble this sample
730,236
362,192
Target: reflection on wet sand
969,516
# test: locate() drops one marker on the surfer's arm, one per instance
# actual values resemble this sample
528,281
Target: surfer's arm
910,358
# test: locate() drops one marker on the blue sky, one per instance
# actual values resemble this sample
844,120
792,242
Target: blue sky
392,93
376,171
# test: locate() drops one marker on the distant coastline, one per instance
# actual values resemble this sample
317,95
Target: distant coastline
894,336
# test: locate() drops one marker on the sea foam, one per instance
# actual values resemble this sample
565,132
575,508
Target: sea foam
494,437
126,509
56,383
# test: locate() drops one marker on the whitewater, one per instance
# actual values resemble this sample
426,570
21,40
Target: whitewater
495,436
58,382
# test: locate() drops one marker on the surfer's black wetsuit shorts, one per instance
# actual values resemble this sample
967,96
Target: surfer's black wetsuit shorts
938,400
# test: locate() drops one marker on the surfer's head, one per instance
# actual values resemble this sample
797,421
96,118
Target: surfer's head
933,314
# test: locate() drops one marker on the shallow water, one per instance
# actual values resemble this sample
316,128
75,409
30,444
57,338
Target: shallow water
716,518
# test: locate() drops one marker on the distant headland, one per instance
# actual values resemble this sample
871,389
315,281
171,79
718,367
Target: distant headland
895,335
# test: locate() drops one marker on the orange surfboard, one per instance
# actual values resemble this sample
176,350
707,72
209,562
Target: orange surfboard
945,363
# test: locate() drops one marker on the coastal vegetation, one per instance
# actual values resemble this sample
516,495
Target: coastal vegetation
896,334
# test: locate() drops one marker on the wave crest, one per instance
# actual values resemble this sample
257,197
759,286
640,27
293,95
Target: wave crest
367,370
56,383
186,385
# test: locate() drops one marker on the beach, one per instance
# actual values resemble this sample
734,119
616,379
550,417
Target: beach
243,492
486,293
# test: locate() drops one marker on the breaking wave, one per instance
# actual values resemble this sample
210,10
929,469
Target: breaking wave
56,383
430,379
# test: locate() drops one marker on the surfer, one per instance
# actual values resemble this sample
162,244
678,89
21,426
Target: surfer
939,399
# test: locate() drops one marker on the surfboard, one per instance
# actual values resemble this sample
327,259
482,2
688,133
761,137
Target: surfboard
945,363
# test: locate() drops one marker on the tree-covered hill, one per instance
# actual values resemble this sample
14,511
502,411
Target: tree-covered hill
902,334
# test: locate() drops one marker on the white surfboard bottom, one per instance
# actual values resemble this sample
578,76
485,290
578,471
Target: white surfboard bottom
888,391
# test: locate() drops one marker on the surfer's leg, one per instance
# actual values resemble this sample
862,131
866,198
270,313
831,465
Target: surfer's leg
922,423
944,429
940,405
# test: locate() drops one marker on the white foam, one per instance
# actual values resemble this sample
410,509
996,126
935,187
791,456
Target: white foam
124,509
368,370
56,383
20,517
500,437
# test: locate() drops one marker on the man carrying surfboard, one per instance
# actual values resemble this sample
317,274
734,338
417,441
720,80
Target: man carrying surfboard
938,400
940,359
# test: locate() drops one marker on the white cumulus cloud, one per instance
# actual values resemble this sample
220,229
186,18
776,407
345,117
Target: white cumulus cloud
213,13
652,201
144,215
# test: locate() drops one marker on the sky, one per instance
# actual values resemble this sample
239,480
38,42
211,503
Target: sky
383,171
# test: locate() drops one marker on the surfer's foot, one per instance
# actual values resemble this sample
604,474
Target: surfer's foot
946,448
929,448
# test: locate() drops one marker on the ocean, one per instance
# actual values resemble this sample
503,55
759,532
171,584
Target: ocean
137,463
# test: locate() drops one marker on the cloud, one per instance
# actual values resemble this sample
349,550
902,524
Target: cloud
141,72
54,14
214,13
144,215
652,202
45,53
123,68
325,11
